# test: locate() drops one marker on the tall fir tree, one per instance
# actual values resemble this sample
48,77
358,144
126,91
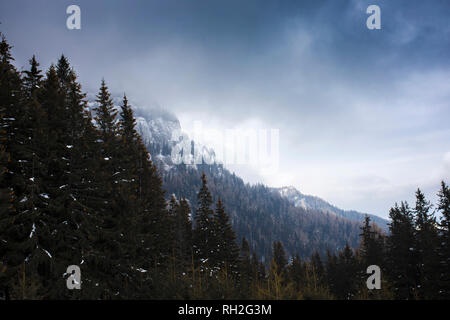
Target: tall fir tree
183,233
227,250
148,225
371,248
347,282
444,241
317,267
332,274
204,231
279,259
296,271
401,252
246,271
108,216
426,238
18,224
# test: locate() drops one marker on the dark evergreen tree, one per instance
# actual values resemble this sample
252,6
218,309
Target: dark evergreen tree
426,237
332,274
65,74
401,252
227,250
444,241
151,225
109,217
204,230
246,270
371,248
317,266
17,225
183,233
6,212
296,271
279,259
347,281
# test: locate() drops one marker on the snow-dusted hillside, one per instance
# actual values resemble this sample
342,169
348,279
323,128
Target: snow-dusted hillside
161,132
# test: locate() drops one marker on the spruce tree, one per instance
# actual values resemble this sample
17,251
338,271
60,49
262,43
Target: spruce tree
17,224
204,231
148,225
109,219
317,266
245,268
296,272
347,282
426,238
332,275
227,250
6,211
401,252
371,248
183,233
444,241
279,259
76,183
126,186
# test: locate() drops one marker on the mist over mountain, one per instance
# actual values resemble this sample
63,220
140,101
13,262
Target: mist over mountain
259,213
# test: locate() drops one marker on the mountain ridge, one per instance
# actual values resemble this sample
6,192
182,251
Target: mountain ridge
256,212
162,128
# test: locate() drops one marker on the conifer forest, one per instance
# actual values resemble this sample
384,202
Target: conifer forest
79,186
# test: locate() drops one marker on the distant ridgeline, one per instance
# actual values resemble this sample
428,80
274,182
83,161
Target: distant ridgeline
261,214
315,203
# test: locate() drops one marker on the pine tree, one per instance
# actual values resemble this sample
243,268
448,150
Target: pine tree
279,259
65,74
106,117
401,256
332,275
153,224
204,231
6,211
149,225
371,252
54,229
317,266
77,148
371,249
16,223
107,260
444,241
32,80
183,233
314,286
348,274
426,237
227,250
296,271
126,190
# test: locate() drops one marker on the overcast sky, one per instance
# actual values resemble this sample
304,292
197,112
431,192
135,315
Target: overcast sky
363,114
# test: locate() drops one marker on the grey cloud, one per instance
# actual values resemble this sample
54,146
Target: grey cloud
337,90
